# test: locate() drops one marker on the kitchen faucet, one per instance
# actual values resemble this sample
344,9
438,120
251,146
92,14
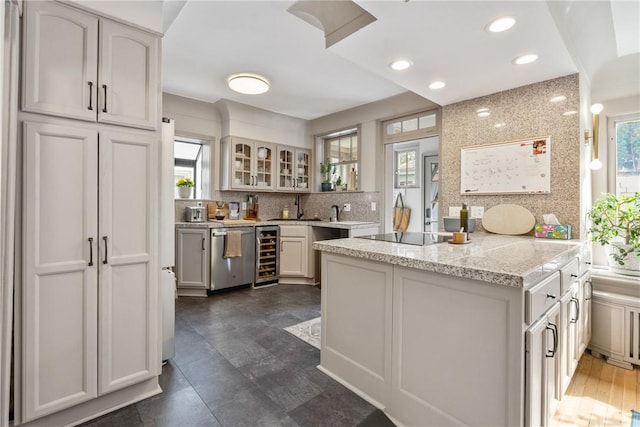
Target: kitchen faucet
337,208
299,211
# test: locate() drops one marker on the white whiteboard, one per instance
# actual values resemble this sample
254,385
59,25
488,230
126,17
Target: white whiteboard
508,167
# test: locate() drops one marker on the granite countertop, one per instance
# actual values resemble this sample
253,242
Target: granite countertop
518,261
246,223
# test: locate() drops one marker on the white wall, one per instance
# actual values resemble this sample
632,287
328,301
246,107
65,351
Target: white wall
255,123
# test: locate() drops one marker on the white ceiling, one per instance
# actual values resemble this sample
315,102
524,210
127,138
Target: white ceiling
210,40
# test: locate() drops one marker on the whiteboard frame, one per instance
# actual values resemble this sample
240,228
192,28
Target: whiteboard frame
463,192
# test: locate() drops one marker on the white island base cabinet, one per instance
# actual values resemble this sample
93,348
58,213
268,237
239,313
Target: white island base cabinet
426,348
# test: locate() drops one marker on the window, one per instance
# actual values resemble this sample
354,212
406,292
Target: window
626,156
188,161
405,168
341,149
410,127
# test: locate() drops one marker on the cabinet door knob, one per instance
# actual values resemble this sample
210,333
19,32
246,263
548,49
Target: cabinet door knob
90,95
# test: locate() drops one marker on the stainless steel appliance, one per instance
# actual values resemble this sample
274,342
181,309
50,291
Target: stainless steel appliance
227,272
195,213
267,256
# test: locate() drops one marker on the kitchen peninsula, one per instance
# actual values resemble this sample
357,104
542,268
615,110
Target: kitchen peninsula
435,335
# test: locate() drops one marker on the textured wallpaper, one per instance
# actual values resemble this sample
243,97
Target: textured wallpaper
523,113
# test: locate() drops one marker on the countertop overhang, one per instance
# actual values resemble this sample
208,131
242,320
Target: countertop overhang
516,261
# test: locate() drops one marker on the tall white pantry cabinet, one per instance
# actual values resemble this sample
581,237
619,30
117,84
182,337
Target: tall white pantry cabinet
89,321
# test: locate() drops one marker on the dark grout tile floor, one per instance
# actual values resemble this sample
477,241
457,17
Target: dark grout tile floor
235,366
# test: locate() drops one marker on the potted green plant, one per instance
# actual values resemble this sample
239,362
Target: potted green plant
615,224
339,183
326,170
184,187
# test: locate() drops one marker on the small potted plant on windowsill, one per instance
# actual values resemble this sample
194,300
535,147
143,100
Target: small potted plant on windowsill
615,224
184,187
326,170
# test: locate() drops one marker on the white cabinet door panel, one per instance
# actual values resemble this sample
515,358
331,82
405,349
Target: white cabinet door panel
128,292
59,61
192,258
129,80
293,256
60,274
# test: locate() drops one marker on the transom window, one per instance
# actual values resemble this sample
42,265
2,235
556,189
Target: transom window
410,127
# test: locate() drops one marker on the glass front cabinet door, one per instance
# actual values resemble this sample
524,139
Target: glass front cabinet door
293,171
250,164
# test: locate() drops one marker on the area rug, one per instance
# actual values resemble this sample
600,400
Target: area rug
635,418
308,331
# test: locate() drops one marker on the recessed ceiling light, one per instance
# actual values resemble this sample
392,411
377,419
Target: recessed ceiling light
569,113
499,125
480,110
248,84
437,85
558,98
400,64
501,24
484,114
525,59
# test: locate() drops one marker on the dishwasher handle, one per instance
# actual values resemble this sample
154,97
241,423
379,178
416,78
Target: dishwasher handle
216,233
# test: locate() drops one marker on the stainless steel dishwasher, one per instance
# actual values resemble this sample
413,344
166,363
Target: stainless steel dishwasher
227,272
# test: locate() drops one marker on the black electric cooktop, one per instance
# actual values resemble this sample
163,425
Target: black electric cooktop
410,238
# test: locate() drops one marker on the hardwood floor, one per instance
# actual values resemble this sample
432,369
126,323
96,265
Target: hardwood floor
599,395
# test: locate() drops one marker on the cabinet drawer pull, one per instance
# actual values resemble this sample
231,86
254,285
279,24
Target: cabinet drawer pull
554,329
104,238
551,296
90,95
90,251
104,110
590,290
577,303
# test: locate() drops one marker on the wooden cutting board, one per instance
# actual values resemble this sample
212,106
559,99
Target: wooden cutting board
508,219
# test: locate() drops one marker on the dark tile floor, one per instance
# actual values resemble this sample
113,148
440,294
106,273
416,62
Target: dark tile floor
235,366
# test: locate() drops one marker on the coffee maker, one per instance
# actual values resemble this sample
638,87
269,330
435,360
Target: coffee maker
252,207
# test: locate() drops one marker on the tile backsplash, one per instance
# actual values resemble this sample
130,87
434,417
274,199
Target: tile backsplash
313,204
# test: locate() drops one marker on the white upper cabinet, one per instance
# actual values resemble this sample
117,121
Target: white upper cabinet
293,171
64,47
247,164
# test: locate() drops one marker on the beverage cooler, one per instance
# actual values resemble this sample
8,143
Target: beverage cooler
267,256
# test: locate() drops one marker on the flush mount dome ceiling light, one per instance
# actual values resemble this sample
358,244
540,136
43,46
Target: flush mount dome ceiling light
437,85
525,59
400,64
501,24
248,84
